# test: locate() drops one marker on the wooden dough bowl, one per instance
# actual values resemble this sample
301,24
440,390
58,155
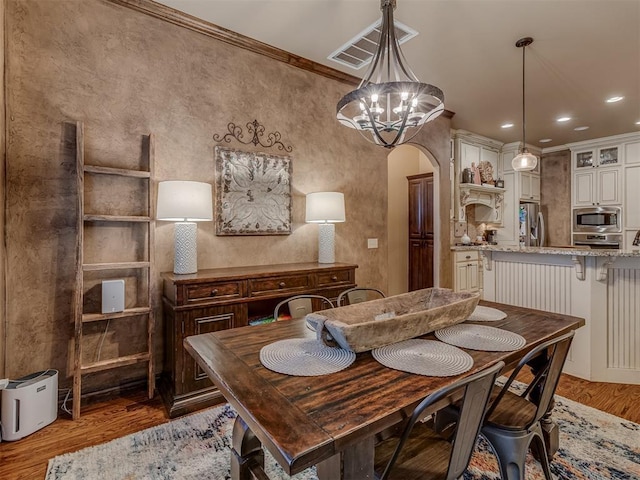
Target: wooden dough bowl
368,325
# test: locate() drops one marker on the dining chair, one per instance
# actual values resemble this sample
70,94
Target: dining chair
421,453
301,305
358,295
513,422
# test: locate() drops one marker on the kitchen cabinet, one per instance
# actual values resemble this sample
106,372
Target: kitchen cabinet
421,231
596,158
470,148
467,271
222,298
597,187
529,186
631,204
509,234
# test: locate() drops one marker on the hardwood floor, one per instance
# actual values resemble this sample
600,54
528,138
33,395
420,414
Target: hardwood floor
27,458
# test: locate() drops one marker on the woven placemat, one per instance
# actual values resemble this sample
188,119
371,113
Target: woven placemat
304,357
481,337
424,357
486,314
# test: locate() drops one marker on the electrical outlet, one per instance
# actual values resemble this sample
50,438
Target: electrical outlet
459,229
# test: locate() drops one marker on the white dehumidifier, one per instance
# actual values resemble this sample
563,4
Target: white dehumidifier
28,404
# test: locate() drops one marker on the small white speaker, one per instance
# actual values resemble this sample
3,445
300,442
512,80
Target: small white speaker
112,296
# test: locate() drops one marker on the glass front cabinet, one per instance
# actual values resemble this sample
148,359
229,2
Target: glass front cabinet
597,157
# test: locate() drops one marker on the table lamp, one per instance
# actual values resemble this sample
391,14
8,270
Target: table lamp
185,202
326,209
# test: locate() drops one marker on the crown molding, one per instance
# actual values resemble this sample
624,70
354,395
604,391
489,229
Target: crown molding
171,15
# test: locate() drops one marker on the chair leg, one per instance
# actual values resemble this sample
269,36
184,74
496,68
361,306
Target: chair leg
537,443
511,451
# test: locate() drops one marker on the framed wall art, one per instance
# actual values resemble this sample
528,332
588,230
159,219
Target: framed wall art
253,193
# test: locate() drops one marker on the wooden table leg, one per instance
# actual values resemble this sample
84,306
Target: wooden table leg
246,451
353,463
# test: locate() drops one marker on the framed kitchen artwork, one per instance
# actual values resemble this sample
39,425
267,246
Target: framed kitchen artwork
253,193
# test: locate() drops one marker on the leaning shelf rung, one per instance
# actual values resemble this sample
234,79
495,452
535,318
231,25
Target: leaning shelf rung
116,218
115,362
123,172
129,312
91,267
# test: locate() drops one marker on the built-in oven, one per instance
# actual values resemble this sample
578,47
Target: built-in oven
597,240
597,220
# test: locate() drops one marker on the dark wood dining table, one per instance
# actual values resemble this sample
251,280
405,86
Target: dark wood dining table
331,421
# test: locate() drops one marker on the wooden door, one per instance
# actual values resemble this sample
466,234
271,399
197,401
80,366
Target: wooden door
421,231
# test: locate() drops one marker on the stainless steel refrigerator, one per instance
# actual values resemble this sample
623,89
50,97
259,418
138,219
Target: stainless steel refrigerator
531,225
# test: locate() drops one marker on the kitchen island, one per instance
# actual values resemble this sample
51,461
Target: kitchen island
602,286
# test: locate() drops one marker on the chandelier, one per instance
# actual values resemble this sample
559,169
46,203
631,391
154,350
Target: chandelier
390,99
524,160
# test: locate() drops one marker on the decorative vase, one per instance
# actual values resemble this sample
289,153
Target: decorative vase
466,239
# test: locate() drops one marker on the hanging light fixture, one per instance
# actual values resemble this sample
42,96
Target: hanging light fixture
524,160
390,99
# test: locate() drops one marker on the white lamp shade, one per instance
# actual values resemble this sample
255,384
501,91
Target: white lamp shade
325,207
184,201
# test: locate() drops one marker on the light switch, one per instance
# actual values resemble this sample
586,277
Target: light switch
372,243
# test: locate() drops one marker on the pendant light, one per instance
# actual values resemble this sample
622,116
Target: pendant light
390,99
524,160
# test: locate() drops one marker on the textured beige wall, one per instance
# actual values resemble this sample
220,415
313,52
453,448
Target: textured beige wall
555,196
125,74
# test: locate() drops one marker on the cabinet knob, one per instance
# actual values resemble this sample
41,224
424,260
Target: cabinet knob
468,257
282,285
214,292
334,278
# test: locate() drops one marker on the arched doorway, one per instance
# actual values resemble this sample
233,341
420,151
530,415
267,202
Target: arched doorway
404,161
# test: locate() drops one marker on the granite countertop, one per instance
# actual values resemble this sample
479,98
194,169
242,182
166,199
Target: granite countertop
583,252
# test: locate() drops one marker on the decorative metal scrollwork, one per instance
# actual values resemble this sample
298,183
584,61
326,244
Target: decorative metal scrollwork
257,132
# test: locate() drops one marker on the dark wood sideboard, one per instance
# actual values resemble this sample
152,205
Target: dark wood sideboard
223,298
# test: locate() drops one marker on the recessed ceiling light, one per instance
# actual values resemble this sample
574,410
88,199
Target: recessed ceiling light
579,129
563,119
614,99
506,125
545,140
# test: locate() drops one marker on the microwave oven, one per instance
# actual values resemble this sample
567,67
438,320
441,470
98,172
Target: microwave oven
597,220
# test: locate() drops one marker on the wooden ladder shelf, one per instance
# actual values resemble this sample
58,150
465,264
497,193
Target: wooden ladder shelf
143,309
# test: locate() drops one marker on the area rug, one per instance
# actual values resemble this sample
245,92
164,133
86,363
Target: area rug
594,445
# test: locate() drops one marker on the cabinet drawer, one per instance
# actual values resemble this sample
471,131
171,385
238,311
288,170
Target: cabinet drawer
277,285
213,292
335,278
468,256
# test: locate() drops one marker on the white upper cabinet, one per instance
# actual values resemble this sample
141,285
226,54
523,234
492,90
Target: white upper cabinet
471,150
596,188
596,157
597,174
529,187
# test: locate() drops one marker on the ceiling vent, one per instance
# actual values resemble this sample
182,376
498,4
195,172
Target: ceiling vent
359,51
